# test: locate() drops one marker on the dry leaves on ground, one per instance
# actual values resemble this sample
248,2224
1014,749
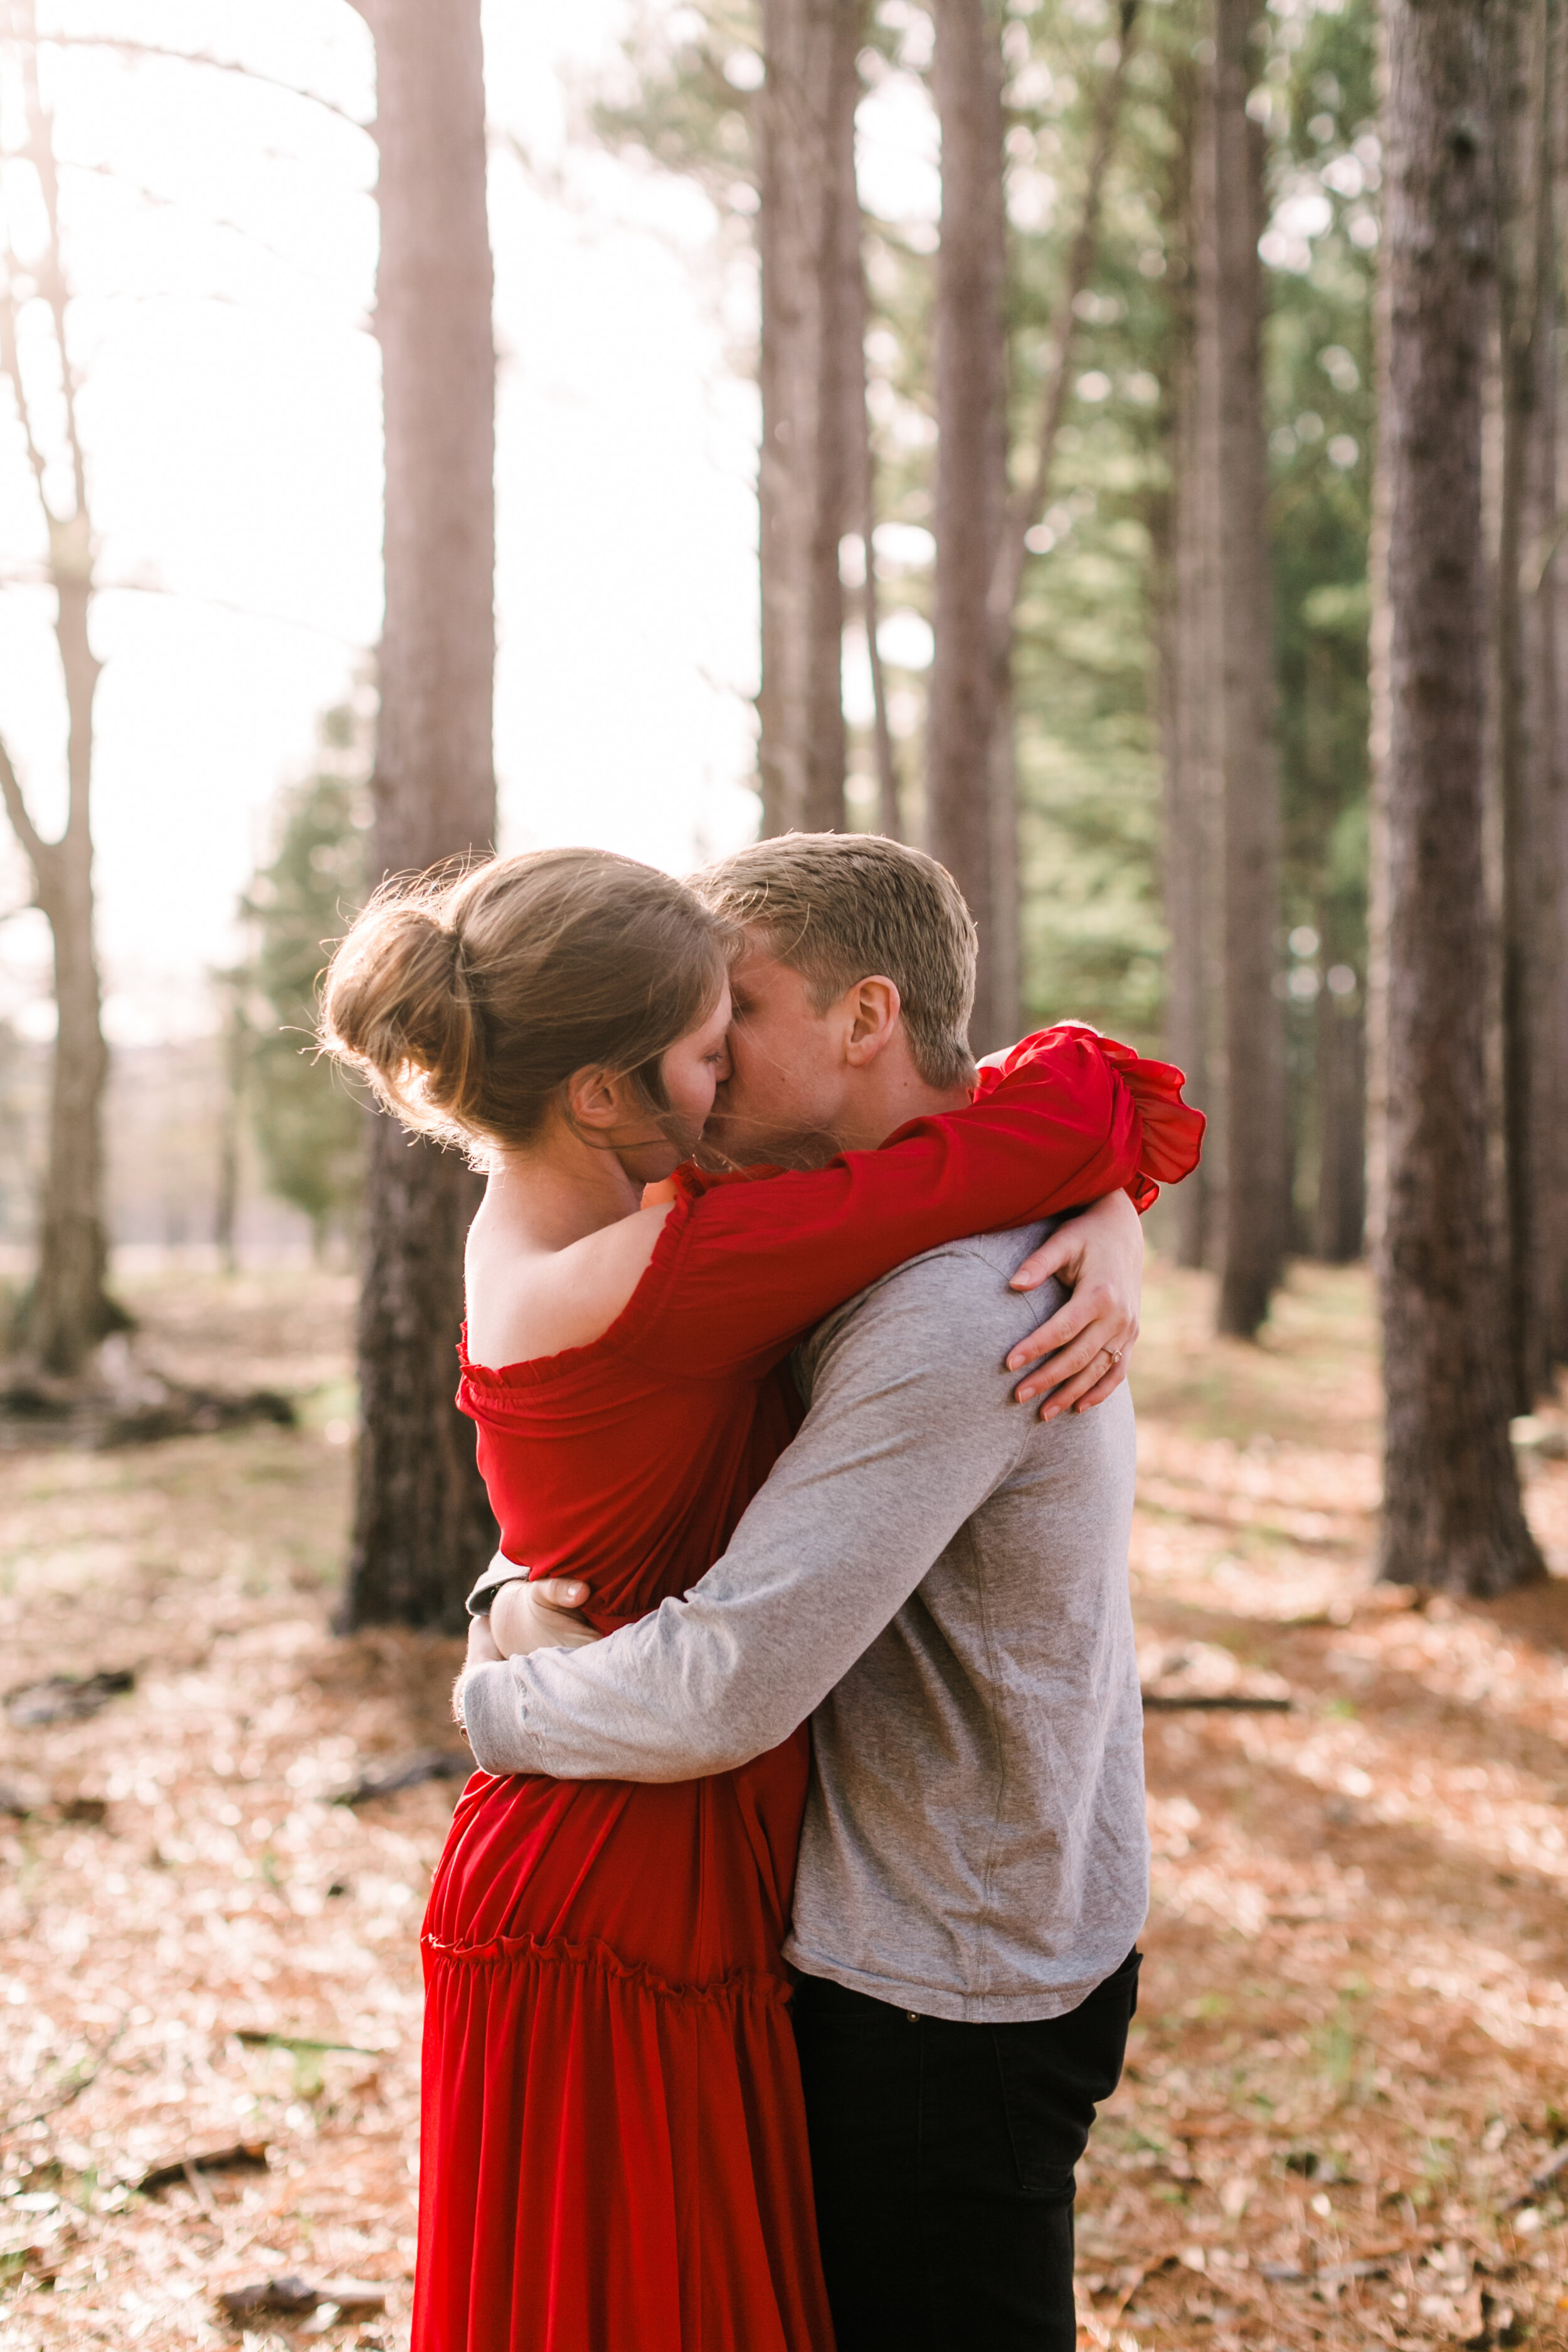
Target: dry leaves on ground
1348,2067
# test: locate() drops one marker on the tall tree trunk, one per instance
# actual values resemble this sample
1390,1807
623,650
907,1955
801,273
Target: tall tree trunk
809,495
1550,577
69,1308
1341,1074
971,467
1021,510
423,1528
1254,1122
1452,1512
1186,637
852,249
1528,753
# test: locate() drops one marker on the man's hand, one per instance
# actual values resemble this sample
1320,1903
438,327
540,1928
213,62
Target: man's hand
540,1616
1099,1254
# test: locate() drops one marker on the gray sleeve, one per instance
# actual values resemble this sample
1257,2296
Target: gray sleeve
912,1425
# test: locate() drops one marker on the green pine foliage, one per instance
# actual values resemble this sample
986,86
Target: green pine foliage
309,1128
1088,677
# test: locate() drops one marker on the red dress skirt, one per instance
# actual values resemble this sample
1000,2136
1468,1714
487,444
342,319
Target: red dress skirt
613,2149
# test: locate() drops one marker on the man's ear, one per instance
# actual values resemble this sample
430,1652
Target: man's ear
873,1006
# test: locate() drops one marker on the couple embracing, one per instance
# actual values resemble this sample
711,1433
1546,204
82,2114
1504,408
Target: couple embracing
784,1942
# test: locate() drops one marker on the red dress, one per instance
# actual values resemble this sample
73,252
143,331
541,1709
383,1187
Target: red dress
613,2152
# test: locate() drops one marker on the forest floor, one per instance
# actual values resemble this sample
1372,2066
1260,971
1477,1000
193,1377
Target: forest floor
1347,2086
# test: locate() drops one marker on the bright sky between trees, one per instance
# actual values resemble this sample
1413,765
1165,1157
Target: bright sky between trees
223,248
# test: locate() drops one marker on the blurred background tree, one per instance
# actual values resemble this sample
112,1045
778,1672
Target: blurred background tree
67,1308
310,1129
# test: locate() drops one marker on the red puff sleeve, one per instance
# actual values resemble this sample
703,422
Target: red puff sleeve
1173,1129
746,1263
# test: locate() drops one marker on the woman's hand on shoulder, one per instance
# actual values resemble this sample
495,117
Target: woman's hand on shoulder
1082,1352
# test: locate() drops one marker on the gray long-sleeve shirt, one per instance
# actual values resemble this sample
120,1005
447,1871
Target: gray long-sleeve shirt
942,1577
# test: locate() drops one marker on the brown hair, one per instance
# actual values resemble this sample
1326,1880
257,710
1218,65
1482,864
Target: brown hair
838,907
468,998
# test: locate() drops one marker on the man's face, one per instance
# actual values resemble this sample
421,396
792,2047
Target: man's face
784,1094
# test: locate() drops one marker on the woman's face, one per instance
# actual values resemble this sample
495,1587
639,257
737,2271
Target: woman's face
692,1069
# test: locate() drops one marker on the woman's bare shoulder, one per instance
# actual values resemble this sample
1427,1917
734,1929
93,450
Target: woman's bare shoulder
523,1303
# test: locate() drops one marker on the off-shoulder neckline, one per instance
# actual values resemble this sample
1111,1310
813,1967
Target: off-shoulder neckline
531,1371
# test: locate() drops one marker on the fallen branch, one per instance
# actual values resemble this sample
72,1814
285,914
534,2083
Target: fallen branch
244,2156
67,1698
297,2295
1235,1702
429,1764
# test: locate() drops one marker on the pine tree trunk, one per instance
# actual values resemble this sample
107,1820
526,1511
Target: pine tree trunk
852,250
1186,634
808,490
1256,1204
423,1528
971,468
842,389
1452,1514
1552,593
1532,763
1340,1073
1018,511
1528,752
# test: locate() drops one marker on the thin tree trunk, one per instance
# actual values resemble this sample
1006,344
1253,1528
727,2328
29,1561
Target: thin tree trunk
1186,637
422,1526
890,813
1254,1126
971,468
841,389
1452,1514
1020,512
1029,503
1341,1074
1526,695
808,493
226,1211
69,1308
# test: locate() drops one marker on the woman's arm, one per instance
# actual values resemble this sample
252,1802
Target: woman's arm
749,1263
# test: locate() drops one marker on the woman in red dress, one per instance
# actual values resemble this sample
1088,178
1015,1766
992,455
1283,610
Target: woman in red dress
614,2151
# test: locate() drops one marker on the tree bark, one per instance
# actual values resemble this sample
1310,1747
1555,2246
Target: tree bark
809,493
1528,753
1452,1516
1550,575
1021,510
423,1528
889,811
1253,1117
970,470
1186,640
1341,1074
69,1308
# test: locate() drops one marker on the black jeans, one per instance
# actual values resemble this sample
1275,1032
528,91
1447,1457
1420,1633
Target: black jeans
944,2161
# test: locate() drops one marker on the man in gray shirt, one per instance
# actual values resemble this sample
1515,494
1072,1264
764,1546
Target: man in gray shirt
939,1581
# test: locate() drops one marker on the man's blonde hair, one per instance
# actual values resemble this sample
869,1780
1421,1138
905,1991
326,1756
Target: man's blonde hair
839,907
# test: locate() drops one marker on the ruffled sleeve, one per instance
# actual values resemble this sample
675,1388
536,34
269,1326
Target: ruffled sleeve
1173,1129
746,1263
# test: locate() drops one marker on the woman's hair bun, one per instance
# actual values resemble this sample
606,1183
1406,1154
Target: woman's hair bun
396,1003
468,998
